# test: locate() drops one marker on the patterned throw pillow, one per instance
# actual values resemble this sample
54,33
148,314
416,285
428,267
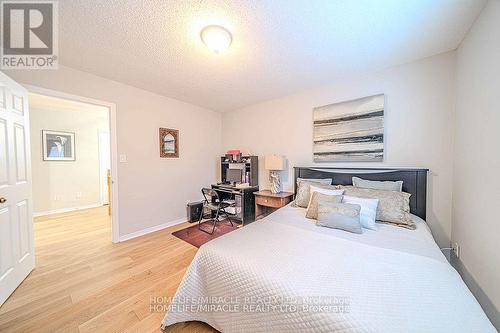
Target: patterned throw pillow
303,194
393,207
339,216
316,198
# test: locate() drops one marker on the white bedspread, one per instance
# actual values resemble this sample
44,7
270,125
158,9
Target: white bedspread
389,280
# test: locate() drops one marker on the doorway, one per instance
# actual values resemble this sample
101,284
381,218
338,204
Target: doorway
57,143
87,179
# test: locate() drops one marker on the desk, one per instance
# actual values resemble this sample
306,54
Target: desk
245,201
266,201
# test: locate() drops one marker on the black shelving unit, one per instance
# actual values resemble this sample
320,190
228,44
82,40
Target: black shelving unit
251,166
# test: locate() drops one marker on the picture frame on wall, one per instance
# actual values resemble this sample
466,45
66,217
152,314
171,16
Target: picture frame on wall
169,143
350,131
58,145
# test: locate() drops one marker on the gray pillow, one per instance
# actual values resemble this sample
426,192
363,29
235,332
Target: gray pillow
326,181
339,216
378,185
316,198
304,192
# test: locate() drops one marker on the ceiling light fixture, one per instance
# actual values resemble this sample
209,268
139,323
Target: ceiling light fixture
216,38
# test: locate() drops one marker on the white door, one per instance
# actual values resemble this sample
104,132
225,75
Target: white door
104,164
17,258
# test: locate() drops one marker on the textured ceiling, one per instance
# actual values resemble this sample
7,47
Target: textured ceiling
279,47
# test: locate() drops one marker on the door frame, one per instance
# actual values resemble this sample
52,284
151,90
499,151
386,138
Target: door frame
102,195
115,225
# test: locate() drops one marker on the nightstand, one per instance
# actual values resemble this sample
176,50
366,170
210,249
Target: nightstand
266,202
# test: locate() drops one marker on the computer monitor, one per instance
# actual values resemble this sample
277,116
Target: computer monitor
233,175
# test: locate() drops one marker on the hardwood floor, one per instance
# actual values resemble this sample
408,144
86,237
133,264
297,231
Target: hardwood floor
84,283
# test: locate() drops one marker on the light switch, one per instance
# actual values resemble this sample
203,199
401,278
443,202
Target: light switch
123,158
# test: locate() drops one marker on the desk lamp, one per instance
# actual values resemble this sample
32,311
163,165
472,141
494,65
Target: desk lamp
274,164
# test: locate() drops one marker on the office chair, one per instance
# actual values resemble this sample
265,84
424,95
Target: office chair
215,204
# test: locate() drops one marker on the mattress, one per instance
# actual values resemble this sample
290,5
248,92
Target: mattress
285,274
419,241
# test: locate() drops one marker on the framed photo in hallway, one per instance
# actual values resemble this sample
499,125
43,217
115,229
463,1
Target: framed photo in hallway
58,146
169,142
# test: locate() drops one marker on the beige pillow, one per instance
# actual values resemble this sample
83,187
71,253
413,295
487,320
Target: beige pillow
304,192
318,197
393,207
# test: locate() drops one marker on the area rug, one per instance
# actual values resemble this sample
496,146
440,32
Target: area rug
196,237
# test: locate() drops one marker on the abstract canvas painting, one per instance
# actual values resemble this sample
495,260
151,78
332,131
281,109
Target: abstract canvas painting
58,146
351,131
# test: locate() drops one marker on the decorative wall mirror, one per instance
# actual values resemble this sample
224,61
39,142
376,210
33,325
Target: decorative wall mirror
169,142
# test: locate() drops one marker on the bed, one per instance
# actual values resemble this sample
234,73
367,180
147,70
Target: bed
285,274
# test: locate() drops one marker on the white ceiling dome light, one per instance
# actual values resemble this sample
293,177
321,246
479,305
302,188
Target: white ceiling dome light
216,38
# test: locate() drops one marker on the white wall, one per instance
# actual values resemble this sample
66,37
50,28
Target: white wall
418,127
152,190
66,184
476,191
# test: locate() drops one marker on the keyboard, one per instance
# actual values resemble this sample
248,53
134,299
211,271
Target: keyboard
226,186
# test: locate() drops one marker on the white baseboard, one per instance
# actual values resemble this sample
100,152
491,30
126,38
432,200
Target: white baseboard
65,210
151,229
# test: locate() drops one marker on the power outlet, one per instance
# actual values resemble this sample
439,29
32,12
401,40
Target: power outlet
78,195
456,249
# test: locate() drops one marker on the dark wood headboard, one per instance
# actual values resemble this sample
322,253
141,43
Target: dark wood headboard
414,180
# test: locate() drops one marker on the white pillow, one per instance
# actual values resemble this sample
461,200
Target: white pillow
368,212
322,190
